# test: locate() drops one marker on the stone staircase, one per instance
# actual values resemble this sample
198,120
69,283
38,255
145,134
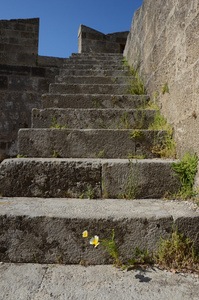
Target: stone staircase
76,174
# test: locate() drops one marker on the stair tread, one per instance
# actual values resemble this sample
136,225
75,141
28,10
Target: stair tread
96,208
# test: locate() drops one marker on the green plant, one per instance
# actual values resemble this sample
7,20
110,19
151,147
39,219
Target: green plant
186,170
125,62
56,126
89,192
136,86
156,95
136,134
139,120
165,88
102,125
21,156
132,156
35,258
96,102
167,149
100,154
109,245
60,259
177,252
139,258
105,193
131,185
124,121
55,154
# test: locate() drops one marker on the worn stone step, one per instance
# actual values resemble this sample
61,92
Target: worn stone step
91,66
91,73
64,88
94,79
88,61
87,178
50,230
94,101
89,143
97,55
92,118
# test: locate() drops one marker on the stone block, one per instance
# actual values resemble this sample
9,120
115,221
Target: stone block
92,118
50,177
138,178
88,143
3,82
47,230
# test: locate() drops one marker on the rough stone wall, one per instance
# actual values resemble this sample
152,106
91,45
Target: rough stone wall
24,77
164,37
91,40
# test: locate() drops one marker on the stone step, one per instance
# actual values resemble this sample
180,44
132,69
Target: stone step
50,230
88,61
91,73
94,80
92,118
87,178
64,88
97,55
89,143
91,66
94,101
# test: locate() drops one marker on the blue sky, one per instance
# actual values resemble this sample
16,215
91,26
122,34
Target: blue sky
60,19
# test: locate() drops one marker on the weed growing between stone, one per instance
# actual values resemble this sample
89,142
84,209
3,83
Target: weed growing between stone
165,88
136,85
178,253
136,134
131,156
140,258
168,147
100,154
109,245
57,126
89,193
131,184
21,156
186,170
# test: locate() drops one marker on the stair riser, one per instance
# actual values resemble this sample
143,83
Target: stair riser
62,178
92,118
94,101
49,240
93,61
94,67
61,88
100,56
93,80
51,232
87,143
73,72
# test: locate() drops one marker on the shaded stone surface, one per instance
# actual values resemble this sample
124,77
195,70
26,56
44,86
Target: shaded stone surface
46,230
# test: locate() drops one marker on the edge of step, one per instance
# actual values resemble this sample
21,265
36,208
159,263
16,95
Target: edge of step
52,228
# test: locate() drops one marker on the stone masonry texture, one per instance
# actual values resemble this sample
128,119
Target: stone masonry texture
24,77
164,40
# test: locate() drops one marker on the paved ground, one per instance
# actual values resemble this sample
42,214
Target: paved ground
47,282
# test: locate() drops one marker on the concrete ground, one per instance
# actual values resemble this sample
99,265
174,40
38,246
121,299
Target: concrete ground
45,282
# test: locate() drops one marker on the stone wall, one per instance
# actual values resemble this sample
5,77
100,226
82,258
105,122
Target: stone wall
24,77
91,40
164,38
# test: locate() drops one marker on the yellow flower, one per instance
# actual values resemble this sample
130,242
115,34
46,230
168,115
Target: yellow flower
95,241
85,233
